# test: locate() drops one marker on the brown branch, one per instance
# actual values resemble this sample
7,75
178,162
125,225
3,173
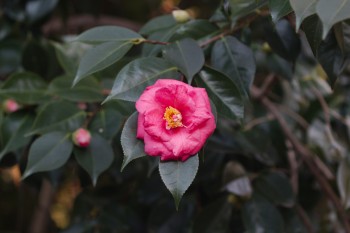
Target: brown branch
306,221
306,155
156,42
294,176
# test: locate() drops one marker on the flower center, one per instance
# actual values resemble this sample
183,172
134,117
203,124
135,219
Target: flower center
173,118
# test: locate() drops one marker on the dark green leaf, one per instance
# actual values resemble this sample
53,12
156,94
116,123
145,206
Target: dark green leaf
25,87
331,12
37,9
275,187
260,215
108,33
48,152
133,148
100,57
312,26
342,34
223,92
10,56
87,90
106,122
279,9
303,9
240,8
58,116
96,158
144,72
178,176
236,60
13,129
186,55
35,58
343,182
158,23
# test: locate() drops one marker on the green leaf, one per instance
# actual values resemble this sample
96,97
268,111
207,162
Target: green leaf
260,215
48,152
312,26
331,12
58,116
100,57
343,182
87,90
303,9
103,34
144,72
223,92
133,148
25,87
240,8
158,23
186,55
178,176
240,187
342,34
10,55
106,122
37,9
279,9
236,60
96,158
275,187
13,129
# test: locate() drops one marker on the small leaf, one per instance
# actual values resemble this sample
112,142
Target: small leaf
58,116
48,152
240,187
342,34
108,33
133,148
312,26
236,60
343,182
241,8
260,215
178,176
106,123
331,12
144,72
303,9
100,57
37,9
87,90
96,158
279,9
275,187
186,55
13,129
25,87
158,23
223,92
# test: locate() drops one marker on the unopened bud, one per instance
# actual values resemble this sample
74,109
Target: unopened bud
82,137
10,105
181,16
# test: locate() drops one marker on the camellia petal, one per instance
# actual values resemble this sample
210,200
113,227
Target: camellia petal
175,119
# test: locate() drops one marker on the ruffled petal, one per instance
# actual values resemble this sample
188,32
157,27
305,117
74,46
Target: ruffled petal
154,125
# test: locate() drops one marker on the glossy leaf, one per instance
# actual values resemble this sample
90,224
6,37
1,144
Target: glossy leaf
279,9
58,116
240,187
144,72
236,60
13,129
108,33
87,90
342,34
240,8
223,92
158,23
312,26
96,158
303,9
48,152
37,9
343,182
10,55
331,12
133,148
275,187
100,57
178,176
260,215
106,122
186,55
25,87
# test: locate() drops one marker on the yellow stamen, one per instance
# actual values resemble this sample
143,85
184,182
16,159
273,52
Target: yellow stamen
173,118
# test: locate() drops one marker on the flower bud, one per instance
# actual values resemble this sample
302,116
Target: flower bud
10,105
82,137
181,16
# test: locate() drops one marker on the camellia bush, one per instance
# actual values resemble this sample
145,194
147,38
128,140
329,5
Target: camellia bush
238,122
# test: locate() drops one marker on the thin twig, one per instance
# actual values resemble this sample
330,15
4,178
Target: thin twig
306,221
293,167
257,121
155,42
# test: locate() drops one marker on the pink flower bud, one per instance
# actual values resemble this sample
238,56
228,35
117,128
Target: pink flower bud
10,105
82,137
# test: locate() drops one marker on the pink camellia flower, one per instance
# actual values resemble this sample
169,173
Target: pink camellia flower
10,105
175,119
82,137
